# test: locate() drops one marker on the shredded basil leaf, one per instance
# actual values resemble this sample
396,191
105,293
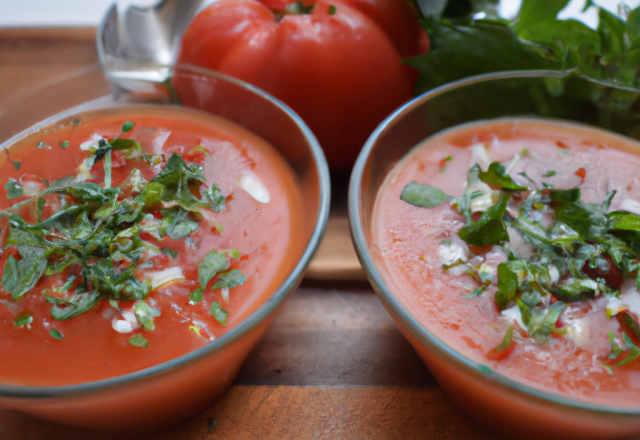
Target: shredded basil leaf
219,313
425,196
138,341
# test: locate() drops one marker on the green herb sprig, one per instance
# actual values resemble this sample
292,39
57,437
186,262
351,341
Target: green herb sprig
576,258
96,235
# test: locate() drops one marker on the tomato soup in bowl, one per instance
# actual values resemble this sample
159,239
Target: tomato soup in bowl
505,250
146,247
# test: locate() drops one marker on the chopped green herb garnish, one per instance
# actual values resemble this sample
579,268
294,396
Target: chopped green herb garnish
476,292
574,254
22,320
549,173
219,313
425,196
100,234
496,176
170,252
506,341
217,264
490,228
145,315
138,341
332,10
64,145
56,334
16,164
14,190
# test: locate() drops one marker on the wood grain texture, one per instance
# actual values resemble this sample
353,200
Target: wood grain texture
330,352
287,412
31,56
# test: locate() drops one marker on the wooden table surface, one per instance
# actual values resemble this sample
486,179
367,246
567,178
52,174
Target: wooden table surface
331,365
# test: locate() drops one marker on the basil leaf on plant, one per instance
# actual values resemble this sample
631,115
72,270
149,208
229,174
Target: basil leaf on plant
470,48
496,175
489,229
14,190
138,341
533,11
425,196
219,313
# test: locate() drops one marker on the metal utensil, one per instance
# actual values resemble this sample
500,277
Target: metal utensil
142,36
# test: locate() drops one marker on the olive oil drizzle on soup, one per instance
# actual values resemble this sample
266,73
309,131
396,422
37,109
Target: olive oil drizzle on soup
144,233
516,242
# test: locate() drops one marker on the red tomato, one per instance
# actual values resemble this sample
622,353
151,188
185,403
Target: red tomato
338,67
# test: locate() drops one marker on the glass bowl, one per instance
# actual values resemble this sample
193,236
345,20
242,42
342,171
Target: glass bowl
502,404
167,393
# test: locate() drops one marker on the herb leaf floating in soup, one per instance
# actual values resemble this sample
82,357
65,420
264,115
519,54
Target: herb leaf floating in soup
100,238
575,251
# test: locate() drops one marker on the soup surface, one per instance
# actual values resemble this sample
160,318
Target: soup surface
131,236
516,243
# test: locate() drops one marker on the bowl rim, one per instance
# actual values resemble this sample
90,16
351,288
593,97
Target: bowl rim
404,319
258,315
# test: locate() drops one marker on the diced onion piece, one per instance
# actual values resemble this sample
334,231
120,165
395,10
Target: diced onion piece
480,156
449,254
254,187
126,325
486,200
92,143
158,278
225,294
30,186
614,305
515,315
84,170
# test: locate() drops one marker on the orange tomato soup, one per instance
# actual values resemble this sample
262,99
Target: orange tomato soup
407,250
261,220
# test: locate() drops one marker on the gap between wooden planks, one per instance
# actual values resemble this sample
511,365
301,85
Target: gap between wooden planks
336,257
